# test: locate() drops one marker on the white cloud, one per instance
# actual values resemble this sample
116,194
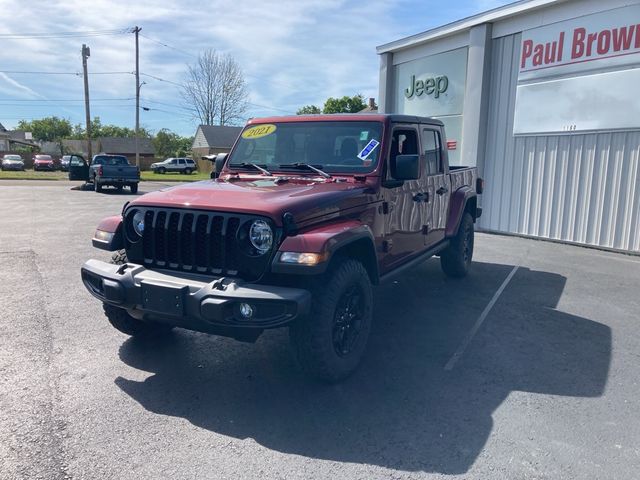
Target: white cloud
293,52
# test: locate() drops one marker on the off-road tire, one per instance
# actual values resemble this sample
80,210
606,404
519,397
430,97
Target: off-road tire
313,337
455,260
125,323
134,188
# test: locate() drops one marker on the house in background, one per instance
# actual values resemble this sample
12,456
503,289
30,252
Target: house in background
211,140
127,146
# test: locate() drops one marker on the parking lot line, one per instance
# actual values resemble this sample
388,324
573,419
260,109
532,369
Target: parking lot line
467,340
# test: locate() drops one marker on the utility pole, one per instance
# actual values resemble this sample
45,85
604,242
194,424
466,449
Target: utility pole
136,30
86,52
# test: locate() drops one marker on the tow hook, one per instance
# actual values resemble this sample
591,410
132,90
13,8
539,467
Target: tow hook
219,284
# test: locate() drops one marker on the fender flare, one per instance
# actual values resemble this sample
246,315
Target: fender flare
457,206
108,235
328,240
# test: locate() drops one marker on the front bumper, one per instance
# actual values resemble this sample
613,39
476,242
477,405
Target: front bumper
13,167
193,302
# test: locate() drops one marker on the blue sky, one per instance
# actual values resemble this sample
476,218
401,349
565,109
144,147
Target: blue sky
293,53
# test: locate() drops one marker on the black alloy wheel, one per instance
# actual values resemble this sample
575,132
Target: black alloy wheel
348,320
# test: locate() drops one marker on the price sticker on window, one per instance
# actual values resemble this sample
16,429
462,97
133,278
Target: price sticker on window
258,131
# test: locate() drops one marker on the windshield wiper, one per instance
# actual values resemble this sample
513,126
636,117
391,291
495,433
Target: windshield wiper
252,165
307,166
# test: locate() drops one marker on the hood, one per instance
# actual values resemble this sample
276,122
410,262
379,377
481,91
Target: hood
306,198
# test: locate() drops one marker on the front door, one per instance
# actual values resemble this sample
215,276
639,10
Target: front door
438,188
78,168
404,204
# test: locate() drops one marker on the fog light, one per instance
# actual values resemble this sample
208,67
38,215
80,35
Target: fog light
246,310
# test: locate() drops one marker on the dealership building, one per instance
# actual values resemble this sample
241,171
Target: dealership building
544,97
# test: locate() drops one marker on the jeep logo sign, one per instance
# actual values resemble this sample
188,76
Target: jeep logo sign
430,86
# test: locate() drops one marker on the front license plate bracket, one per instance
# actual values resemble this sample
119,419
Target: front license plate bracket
164,299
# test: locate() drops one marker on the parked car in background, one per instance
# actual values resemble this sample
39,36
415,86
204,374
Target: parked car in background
182,165
12,162
64,163
43,162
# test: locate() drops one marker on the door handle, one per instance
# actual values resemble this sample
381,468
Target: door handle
421,197
442,190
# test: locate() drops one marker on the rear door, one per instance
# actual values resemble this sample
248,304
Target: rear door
78,168
437,184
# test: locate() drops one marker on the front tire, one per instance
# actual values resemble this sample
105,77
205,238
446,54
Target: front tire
455,260
162,170
329,343
120,319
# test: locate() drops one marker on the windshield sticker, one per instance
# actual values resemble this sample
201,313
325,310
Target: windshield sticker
258,131
370,147
364,135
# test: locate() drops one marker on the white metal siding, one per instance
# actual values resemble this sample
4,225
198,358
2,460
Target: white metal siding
581,188
200,141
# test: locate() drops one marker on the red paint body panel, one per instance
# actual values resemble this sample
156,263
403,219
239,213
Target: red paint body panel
324,238
305,198
458,201
110,224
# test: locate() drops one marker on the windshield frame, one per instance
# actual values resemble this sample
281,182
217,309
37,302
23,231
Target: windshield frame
376,129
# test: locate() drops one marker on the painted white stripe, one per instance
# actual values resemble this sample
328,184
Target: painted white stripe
467,340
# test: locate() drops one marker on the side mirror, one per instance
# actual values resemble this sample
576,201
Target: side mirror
218,164
405,167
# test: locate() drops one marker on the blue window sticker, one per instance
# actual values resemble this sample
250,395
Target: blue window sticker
369,147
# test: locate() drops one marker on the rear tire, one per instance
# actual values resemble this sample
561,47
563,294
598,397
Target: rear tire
134,188
187,171
455,260
120,319
329,343
96,186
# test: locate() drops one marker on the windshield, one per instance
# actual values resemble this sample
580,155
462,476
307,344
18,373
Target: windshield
12,157
43,157
331,146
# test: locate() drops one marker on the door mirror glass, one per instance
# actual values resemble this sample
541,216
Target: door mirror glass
405,167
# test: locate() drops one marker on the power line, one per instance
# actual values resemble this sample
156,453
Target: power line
169,46
87,33
248,103
62,100
79,74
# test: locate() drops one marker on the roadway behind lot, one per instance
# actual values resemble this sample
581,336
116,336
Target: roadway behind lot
527,368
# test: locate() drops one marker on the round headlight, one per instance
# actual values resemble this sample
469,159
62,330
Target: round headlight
261,236
138,222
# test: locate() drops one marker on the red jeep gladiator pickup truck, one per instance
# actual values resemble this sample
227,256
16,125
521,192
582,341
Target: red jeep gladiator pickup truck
306,214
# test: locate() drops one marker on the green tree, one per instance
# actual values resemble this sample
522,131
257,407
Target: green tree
169,144
48,129
344,105
308,110
99,130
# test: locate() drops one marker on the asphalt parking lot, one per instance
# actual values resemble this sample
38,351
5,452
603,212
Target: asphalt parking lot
527,368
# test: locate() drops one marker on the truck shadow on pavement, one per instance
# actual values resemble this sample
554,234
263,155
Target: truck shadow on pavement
401,410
